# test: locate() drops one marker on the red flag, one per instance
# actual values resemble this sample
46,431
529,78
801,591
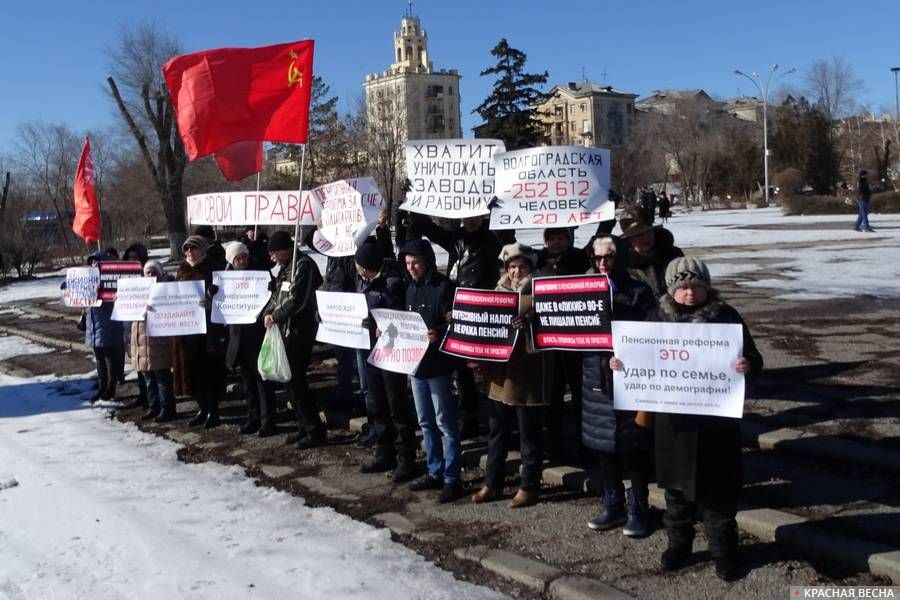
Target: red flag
87,212
232,95
239,160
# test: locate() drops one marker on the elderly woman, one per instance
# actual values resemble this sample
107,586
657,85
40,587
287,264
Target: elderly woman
516,396
152,359
200,358
622,448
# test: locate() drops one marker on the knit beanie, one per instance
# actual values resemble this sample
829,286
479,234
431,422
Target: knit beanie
280,240
198,241
685,271
235,249
516,250
368,256
154,265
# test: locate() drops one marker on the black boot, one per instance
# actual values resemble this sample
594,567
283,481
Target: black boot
251,426
165,416
150,414
406,469
198,419
212,419
267,429
382,464
313,439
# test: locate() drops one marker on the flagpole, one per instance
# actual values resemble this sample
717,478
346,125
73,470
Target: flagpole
299,212
256,225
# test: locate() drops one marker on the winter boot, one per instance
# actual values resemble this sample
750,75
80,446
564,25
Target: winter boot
198,419
681,546
250,427
150,414
382,463
406,469
638,523
212,418
613,513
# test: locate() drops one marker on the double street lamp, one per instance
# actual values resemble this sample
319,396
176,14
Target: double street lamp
764,93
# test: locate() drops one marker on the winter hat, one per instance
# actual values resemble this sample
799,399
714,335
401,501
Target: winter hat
205,231
684,271
368,256
633,222
569,231
235,249
198,241
516,250
280,240
154,265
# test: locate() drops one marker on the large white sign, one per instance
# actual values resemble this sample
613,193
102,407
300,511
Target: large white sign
451,178
342,314
402,343
349,213
132,296
241,296
278,208
175,308
552,186
686,368
81,288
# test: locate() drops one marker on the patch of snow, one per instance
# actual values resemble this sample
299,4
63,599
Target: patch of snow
13,345
41,287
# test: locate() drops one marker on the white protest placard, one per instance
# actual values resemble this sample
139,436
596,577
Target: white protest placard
342,314
241,296
174,309
451,178
552,186
278,208
403,341
132,296
686,368
81,287
349,213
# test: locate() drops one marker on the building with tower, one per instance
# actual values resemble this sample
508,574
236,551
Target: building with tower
422,101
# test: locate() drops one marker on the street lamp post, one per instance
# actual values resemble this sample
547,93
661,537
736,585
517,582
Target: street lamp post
764,92
896,70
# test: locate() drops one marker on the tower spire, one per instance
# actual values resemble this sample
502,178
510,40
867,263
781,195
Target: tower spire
409,8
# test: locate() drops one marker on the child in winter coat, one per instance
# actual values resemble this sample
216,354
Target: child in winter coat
152,356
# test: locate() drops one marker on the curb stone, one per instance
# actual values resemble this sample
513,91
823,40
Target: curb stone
396,523
578,587
318,486
276,471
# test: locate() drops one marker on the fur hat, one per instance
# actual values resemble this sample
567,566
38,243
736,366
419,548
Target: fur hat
685,271
280,240
205,231
369,256
517,250
235,249
633,221
195,240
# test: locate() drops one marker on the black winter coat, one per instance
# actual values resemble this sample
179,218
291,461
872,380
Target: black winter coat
293,305
244,341
697,454
652,269
432,298
603,428
386,290
473,255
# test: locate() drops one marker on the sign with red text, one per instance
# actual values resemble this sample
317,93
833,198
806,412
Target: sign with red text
132,296
480,327
111,271
252,208
402,343
685,368
81,287
341,315
175,308
451,178
241,296
572,313
552,186
349,213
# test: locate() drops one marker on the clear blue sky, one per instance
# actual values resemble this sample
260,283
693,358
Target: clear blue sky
54,61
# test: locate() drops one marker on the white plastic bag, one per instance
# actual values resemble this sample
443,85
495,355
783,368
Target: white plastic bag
272,363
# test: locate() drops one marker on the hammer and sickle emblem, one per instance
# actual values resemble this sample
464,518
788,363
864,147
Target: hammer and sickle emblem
295,76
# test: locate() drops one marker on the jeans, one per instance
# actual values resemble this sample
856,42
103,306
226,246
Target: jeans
502,421
437,418
159,391
361,369
862,219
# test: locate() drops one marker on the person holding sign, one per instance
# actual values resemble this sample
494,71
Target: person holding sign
516,396
431,295
244,342
107,340
200,358
698,457
652,249
623,447
152,359
293,310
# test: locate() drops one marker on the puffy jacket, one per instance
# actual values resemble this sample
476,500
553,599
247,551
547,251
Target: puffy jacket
100,331
149,353
603,428
473,255
432,298
651,269
385,290
293,306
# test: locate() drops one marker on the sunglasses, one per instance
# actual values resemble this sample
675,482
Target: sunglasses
606,257
187,248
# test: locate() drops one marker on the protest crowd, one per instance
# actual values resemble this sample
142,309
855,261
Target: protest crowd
533,393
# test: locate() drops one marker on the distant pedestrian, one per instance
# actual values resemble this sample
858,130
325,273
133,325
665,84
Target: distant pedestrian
152,358
864,194
665,207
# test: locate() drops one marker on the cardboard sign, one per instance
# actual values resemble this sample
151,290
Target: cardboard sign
132,296
342,314
111,271
278,208
451,178
175,309
350,209
480,327
403,341
686,368
241,296
81,287
552,186
572,313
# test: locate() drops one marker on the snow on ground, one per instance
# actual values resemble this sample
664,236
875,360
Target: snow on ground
14,345
92,508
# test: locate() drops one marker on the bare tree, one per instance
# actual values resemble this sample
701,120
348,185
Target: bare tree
833,86
144,104
639,161
385,125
